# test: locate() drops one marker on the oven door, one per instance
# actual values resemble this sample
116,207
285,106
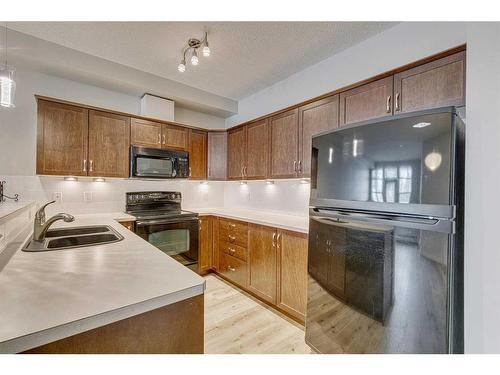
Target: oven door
379,284
177,238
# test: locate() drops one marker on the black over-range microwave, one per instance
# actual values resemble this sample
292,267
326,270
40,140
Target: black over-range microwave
157,163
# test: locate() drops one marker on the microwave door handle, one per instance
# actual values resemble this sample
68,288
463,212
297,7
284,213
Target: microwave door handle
340,217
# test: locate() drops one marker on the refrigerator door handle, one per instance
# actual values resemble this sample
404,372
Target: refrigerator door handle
421,223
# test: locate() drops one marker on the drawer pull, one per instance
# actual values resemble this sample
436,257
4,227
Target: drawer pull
231,238
232,225
231,250
231,268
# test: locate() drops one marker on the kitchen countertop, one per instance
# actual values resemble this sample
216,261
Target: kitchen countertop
290,222
8,209
50,295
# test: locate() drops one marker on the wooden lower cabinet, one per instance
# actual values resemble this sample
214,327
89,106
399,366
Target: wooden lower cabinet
174,329
130,225
269,263
233,269
262,261
205,244
292,273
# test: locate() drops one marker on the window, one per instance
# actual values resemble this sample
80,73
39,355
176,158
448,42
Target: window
391,183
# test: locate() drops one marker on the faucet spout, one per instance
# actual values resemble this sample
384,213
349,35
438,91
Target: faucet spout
41,226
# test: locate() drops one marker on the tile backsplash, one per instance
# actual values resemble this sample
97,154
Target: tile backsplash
87,196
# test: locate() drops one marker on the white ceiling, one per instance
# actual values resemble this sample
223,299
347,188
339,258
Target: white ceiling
246,56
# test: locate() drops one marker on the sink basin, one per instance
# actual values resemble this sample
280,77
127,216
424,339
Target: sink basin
76,231
69,238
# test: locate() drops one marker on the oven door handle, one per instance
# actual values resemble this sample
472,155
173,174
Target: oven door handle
163,221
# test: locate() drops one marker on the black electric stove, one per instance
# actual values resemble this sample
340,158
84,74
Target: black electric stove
162,222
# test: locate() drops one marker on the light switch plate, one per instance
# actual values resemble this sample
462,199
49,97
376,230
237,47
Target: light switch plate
87,196
57,196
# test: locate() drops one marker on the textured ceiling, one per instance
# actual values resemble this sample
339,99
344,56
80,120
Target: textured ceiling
246,56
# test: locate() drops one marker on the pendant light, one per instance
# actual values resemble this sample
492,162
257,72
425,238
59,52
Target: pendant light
7,83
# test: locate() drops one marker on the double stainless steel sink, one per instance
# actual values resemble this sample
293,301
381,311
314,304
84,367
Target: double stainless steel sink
73,237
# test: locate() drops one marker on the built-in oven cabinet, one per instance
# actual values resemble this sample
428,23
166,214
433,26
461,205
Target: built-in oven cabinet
75,141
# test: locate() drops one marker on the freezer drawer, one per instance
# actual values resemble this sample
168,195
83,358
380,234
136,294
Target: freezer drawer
377,286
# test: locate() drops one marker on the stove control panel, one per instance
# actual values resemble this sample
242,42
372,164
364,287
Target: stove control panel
146,197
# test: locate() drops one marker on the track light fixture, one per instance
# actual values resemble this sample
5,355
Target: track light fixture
192,46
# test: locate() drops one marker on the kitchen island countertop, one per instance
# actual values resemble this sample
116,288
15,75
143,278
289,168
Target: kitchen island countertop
51,295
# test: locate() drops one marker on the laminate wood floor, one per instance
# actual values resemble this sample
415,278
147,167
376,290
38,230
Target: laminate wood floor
238,323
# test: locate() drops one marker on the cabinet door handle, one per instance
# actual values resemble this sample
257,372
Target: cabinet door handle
245,171
295,165
91,166
388,104
231,268
274,239
300,166
278,240
85,165
397,101
189,171
164,139
159,138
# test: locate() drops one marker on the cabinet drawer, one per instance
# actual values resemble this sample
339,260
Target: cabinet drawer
234,237
233,225
234,250
234,269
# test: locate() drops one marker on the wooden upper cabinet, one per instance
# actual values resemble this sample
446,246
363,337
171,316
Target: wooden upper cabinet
109,140
292,273
257,158
236,152
284,138
205,243
262,261
315,118
436,84
197,154
217,155
367,102
145,133
62,139
175,137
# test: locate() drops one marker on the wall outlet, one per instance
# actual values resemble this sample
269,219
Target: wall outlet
57,196
87,196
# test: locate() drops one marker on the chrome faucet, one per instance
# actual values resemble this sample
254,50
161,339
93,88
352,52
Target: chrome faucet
41,226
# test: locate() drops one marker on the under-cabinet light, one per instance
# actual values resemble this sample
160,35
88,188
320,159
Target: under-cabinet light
99,179
70,178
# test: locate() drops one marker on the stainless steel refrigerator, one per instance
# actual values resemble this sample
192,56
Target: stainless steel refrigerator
385,263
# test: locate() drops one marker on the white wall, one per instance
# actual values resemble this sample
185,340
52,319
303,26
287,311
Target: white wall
290,196
482,246
402,44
